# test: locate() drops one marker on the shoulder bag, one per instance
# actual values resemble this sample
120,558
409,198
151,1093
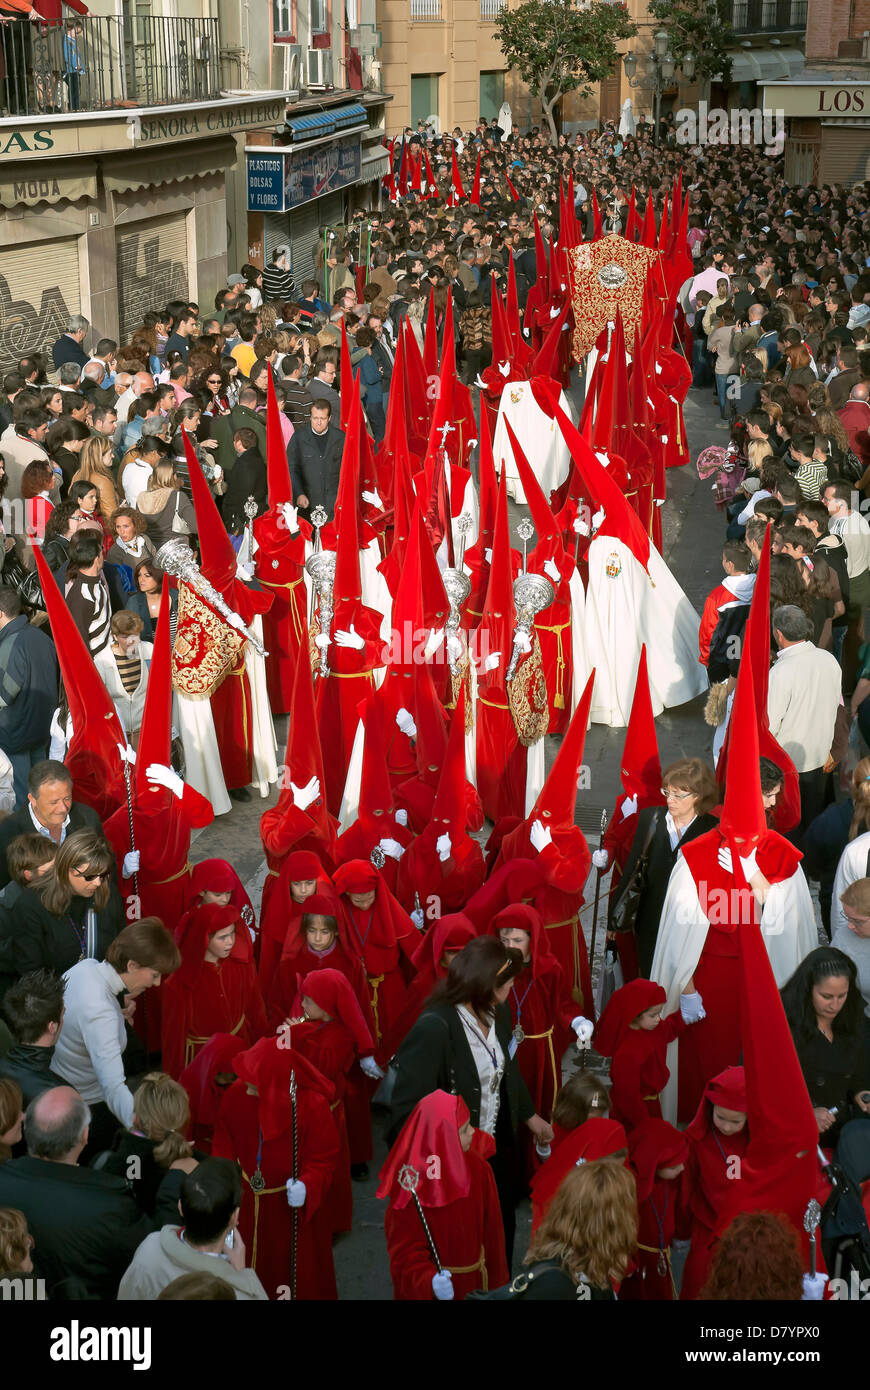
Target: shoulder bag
623,913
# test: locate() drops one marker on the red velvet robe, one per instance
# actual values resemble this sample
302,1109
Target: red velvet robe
280,1000
639,1072
661,1219
387,967
707,1185
283,829
543,1009
280,561
226,999
452,883
565,863
162,836
339,694
330,1048
266,1221
466,1232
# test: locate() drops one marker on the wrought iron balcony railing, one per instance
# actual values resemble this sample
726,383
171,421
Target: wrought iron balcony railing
760,16
99,63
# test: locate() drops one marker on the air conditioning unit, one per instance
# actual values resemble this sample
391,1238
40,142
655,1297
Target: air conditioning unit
292,70
319,68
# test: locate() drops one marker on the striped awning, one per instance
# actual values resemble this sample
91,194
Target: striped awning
313,126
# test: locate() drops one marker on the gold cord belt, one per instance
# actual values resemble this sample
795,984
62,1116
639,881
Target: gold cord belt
263,1192
561,664
472,1269
666,1251
537,1037
191,1042
172,877
577,990
375,982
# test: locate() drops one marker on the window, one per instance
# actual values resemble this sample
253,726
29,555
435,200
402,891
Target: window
491,94
319,17
424,96
283,19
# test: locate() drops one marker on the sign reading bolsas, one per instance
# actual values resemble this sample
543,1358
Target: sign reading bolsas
280,181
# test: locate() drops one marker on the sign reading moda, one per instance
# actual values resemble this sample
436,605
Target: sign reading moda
279,182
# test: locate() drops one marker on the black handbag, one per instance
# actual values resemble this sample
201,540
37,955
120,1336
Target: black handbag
623,912
549,1272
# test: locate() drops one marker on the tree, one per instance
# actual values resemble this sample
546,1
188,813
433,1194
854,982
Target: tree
702,27
558,48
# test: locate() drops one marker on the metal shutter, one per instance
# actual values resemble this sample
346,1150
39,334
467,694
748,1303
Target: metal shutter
302,228
801,162
152,268
845,153
40,289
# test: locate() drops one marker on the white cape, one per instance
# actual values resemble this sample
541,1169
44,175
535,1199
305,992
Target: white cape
540,438
788,928
625,608
202,759
264,744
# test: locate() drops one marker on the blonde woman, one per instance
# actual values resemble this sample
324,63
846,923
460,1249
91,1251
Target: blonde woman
95,466
587,1239
155,1148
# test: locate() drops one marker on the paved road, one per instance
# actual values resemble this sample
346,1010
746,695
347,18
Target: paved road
693,534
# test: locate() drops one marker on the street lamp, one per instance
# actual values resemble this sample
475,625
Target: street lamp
659,72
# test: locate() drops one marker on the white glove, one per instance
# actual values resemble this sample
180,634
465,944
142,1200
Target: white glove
522,642
349,638
581,527
724,858
600,859
481,385
749,865
433,641
131,864
303,796
371,1068
401,817
629,807
290,516
487,555
391,847
454,646
814,1288
444,847
418,919
166,777
551,572
373,499
584,1028
296,1193
492,661
442,1286
598,519
235,621
540,836
322,641
245,570
405,722
692,1008
505,368
217,472
128,754
554,313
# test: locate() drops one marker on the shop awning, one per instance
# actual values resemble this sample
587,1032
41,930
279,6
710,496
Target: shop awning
47,181
312,127
375,164
123,173
764,64
347,116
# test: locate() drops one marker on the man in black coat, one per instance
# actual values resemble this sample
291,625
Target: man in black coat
28,690
248,479
68,347
33,1009
242,416
85,1224
49,810
314,455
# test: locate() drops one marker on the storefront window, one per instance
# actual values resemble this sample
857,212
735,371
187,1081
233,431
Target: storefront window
491,94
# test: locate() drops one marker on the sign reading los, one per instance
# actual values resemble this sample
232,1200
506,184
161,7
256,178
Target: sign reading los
818,99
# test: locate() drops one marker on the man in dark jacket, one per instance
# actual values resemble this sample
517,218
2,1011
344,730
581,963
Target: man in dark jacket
33,1009
85,1224
68,347
248,479
243,416
49,810
314,455
28,690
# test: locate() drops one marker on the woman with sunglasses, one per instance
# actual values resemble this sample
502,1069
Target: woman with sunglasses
51,919
212,390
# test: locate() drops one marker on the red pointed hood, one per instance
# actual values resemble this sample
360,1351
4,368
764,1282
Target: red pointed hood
597,229
92,757
542,267
217,556
431,188
513,192
348,584
498,608
545,523
743,818
430,341
456,178
621,521
346,379
448,813
155,734
419,405
648,235
501,338
431,740
475,188
304,758
558,796
546,363
641,768
375,793
277,469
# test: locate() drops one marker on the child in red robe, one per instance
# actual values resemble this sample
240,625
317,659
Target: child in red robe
456,1189
631,1031
301,875
329,1029
205,1081
541,1009
718,1138
582,1132
255,1127
216,881
381,934
657,1157
215,989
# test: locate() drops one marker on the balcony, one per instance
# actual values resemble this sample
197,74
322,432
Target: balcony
428,11
768,16
107,63
490,10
